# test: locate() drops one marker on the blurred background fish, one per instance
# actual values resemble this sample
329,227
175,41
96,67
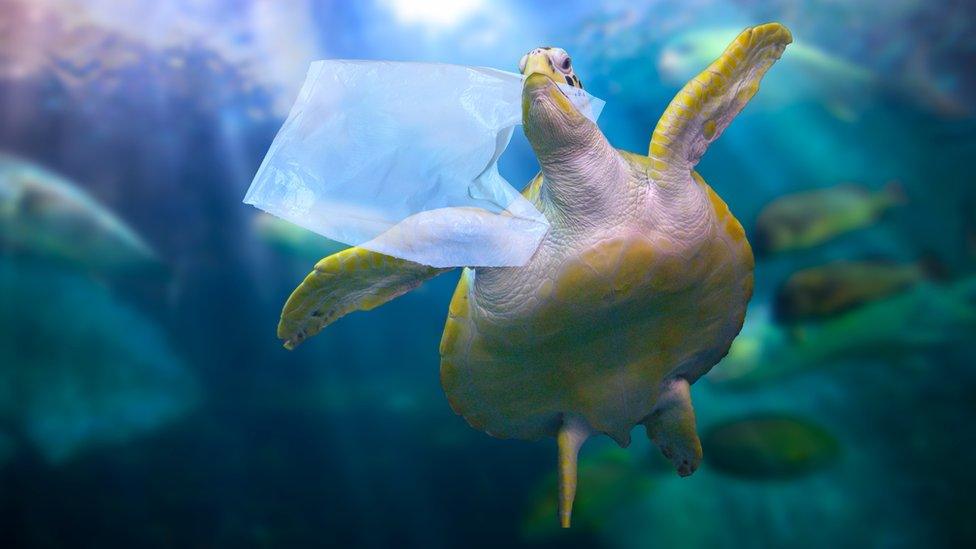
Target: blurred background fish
95,372
42,214
770,446
927,319
806,219
144,398
828,290
807,73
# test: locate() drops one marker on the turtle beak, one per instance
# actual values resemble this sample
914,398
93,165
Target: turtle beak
541,79
533,63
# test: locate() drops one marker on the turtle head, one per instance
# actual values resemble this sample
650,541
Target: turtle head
551,121
576,159
552,62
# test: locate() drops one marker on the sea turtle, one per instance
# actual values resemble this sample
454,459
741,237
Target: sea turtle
637,290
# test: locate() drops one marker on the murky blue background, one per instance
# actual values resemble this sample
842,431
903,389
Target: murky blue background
152,405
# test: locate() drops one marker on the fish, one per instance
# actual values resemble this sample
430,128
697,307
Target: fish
769,446
828,290
925,318
80,369
44,215
810,218
807,73
845,87
293,240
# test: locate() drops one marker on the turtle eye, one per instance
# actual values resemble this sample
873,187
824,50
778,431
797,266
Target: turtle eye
566,63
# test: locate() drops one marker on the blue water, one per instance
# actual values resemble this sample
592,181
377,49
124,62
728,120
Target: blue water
156,407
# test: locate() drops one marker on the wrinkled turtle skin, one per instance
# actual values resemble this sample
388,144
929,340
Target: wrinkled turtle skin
637,290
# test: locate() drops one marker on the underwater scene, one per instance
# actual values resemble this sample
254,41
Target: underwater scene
147,397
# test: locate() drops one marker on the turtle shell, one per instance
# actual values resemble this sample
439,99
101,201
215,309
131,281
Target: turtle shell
603,325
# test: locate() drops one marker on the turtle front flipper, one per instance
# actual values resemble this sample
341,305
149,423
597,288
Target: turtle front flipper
672,427
707,104
355,279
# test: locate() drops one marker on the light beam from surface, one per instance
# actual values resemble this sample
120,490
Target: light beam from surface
440,14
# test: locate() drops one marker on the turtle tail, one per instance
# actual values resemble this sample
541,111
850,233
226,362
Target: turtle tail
572,434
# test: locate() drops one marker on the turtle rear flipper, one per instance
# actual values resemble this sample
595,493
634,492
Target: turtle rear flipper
707,104
672,427
355,279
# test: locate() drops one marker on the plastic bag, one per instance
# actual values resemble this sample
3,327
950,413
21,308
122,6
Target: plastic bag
401,158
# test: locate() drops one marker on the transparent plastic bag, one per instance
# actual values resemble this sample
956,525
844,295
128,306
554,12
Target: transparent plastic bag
401,158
